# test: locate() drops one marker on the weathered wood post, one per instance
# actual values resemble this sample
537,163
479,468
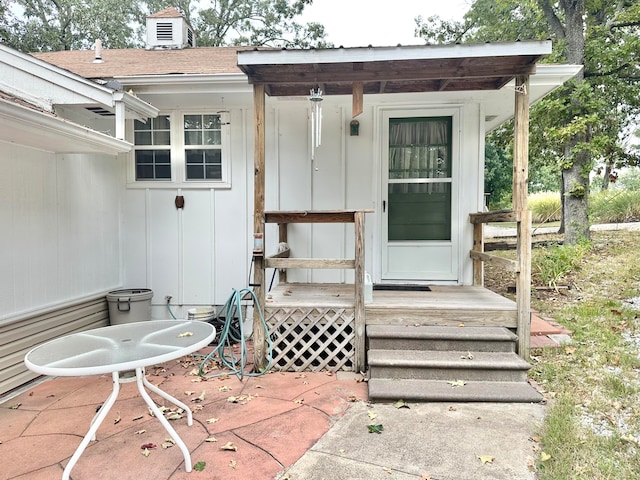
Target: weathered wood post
520,207
359,309
259,335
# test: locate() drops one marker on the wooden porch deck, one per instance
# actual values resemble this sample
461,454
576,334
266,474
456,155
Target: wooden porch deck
443,305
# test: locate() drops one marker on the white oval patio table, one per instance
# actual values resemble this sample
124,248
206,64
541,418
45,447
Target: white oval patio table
120,348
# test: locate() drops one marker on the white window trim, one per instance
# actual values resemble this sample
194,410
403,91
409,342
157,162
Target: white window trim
178,161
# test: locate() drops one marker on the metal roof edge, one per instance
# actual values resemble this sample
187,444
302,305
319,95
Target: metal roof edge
378,54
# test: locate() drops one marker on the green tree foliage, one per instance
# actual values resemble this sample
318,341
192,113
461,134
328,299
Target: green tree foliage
52,25
587,120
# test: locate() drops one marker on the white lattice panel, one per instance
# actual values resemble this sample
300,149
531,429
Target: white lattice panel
312,339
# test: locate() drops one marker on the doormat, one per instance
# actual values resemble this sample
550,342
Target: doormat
402,288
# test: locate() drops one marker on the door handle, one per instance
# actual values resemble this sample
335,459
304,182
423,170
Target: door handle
384,206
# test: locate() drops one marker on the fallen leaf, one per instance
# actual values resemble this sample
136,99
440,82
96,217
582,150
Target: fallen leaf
145,452
224,388
148,446
185,334
232,399
570,350
544,457
468,356
229,446
139,417
372,415
140,432
212,420
188,393
352,398
299,401
534,439
387,469
342,450
401,404
174,416
15,406
486,459
461,324
211,440
199,467
452,408
168,443
426,476
233,464
200,398
457,383
117,419
375,428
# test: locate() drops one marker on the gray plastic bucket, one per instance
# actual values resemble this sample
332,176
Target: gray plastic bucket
129,305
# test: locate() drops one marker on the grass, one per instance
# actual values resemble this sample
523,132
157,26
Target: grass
592,429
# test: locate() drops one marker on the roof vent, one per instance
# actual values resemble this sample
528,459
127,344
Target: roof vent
98,55
168,29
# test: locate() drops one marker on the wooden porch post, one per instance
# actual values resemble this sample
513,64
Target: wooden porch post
520,192
259,338
359,309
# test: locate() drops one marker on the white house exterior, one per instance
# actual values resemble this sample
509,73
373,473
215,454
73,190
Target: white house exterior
81,216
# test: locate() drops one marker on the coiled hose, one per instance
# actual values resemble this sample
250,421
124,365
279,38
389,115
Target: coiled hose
229,335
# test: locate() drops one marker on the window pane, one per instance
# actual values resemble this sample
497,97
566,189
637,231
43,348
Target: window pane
162,122
213,156
420,215
138,125
142,138
211,122
153,164
214,172
193,138
161,138
195,172
193,122
163,172
195,157
212,137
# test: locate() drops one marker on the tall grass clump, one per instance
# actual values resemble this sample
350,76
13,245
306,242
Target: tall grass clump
615,206
552,264
545,207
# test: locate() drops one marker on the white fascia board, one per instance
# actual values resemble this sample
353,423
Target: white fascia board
548,77
138,108
230,81
381,54
54,133
57,76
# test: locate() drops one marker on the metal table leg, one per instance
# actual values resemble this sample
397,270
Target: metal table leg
95,424
140,380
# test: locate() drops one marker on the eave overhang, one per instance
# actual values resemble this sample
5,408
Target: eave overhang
399,69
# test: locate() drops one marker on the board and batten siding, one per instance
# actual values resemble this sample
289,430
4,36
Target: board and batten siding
60,246
197,254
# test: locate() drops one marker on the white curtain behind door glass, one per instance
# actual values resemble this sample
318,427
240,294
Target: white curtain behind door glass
419,149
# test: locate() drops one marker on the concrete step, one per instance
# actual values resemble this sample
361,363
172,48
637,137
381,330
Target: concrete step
385,390
439,365
441,338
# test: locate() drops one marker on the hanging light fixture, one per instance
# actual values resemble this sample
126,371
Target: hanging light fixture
315,96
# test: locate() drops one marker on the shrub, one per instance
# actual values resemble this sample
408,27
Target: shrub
615,206
550,265
545,207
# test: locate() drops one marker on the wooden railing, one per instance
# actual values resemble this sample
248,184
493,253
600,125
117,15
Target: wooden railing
283,261
521,266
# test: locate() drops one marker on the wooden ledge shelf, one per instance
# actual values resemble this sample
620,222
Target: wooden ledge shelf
313,216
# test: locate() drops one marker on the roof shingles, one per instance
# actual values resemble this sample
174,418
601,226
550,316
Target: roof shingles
138,61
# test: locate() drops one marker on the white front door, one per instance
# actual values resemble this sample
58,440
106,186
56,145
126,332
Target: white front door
419,195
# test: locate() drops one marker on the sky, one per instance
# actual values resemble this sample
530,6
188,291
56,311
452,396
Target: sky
358,23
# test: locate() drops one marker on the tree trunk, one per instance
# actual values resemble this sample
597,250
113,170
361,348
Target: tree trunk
575,200
575,180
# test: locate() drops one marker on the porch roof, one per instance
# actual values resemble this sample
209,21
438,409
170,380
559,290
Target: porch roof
427,68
